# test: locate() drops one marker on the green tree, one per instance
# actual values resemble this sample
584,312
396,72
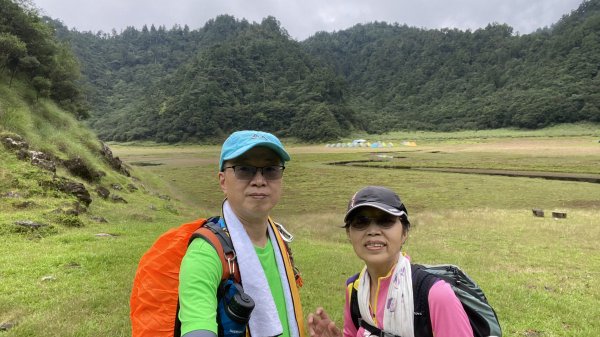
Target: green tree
42,86
12,49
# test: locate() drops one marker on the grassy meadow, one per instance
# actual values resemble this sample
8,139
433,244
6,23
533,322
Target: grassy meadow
539,274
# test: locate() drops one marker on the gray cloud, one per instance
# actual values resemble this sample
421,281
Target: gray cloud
304,18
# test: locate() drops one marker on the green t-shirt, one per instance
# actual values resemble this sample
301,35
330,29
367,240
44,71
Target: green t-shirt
199,277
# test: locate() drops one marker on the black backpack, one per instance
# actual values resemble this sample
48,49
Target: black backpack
482,316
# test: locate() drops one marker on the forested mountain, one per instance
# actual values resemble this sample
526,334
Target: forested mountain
405,77
181,85
195,85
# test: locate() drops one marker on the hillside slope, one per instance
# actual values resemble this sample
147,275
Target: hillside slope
72,220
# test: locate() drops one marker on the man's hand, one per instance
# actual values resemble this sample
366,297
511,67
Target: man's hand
320,325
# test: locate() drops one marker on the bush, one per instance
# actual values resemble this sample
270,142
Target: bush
69,220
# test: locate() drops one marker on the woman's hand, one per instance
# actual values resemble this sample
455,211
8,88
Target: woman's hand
320,325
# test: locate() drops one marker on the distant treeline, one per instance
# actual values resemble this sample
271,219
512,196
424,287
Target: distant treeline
177,84
181,85
405,77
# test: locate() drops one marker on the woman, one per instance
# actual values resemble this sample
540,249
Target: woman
377,226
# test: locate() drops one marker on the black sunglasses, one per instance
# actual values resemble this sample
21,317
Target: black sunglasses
247,172
361,222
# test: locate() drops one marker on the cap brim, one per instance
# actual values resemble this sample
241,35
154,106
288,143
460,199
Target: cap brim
277,149
383,207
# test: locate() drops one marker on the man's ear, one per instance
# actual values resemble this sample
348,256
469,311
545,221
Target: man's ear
222,182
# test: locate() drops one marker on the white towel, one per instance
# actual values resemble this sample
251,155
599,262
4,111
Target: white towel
264,321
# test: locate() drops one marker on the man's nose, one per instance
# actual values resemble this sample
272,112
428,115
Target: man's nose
258,177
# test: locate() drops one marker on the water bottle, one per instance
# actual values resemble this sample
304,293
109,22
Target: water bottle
234,310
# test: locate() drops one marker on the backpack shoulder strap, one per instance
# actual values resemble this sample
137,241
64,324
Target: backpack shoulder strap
422,283
216,236
286,237
357,320
353,292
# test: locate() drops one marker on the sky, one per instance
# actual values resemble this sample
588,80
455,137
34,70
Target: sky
304,18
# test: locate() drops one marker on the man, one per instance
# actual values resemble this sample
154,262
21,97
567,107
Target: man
251,170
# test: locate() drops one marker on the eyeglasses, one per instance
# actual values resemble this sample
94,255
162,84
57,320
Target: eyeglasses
361,222
247,172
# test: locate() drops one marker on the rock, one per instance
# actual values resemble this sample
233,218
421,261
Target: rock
30,224
114,162
102,192
76,210
117,187
48,278
21,148
78,190
38,158
23,154
117,198
152,207
68,186
99,219
164,197
43,160
11,194
5,326
132,187
14,142
72,265
79,168
106,235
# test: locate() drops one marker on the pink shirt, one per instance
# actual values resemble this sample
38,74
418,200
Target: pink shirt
448,318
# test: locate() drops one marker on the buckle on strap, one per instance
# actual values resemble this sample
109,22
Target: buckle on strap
374,331
285,235
231,263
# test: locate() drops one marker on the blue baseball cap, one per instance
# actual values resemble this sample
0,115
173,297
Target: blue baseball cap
241,141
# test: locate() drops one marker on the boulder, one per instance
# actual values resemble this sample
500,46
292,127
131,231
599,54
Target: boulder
114,162
38,158
70,187
98,219
79,168
14,142
11,194
30,224
5,326
102,192
43,160
117,198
